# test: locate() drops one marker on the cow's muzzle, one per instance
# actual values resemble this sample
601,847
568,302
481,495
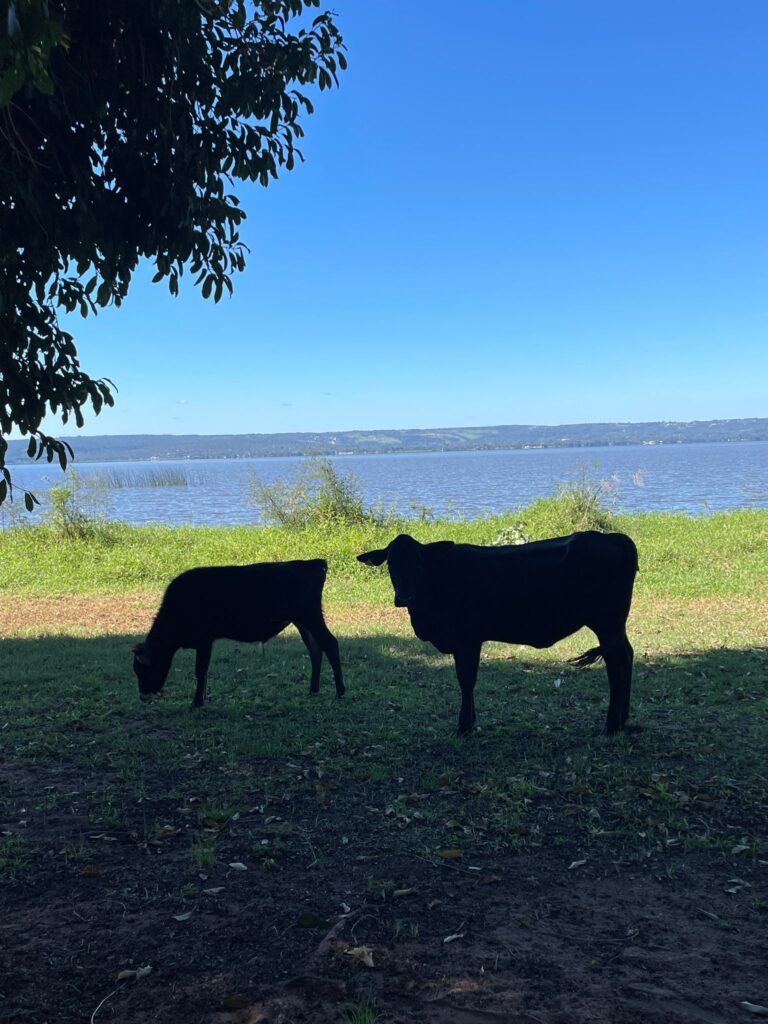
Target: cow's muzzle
402,602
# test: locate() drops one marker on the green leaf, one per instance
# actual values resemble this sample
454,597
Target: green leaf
11,82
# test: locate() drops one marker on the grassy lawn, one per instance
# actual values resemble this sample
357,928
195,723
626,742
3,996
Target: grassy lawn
348,802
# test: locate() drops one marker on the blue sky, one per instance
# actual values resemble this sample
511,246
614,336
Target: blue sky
512,211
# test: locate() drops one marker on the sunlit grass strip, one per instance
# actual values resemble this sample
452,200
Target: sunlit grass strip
683,556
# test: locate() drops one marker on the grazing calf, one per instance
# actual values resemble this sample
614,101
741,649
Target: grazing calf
459,595
251,603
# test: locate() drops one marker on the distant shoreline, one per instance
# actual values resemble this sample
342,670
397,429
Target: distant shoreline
183,447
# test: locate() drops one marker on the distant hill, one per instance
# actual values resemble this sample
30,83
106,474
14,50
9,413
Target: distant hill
142,447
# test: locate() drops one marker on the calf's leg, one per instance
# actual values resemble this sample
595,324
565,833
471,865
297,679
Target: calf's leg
467,661
329,645
315,656
202,661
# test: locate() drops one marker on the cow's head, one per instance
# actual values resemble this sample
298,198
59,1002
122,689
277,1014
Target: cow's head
408,562
150,670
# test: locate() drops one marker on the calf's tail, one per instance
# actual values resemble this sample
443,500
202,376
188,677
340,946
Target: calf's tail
587,658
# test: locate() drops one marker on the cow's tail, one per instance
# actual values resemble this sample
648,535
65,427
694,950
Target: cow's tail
587,658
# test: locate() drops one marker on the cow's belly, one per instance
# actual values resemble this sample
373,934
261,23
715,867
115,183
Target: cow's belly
239,629
536,638
539,624
254,632
541,629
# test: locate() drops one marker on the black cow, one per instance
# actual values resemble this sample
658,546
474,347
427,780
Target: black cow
251,603
459,595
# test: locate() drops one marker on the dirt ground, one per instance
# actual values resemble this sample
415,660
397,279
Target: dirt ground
518,937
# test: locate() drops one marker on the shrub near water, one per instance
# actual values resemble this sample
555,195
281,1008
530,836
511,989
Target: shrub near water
319,496
581,504
74,508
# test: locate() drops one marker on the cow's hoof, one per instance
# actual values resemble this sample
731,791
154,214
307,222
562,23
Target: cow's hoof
340,694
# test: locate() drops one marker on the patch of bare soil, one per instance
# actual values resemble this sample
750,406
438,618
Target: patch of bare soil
516,937
100,614
132,613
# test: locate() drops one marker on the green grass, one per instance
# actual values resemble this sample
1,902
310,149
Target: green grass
14,857
360,1013
264,773
384,766
718,555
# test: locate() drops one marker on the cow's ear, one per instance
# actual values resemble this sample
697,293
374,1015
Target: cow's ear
377,557
438,549
141,654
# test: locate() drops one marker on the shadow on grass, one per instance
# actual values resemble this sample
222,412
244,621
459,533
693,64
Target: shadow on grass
287,778
126,826
79,696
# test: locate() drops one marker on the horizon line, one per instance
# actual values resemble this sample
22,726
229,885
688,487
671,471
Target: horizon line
373,430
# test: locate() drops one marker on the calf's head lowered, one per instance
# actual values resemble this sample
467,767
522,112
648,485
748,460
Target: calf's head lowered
151,670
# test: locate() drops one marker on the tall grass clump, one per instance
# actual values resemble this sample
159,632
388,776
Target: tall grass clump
166,476
317,496
75,508
581,504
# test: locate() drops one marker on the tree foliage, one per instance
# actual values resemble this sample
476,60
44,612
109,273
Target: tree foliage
123,129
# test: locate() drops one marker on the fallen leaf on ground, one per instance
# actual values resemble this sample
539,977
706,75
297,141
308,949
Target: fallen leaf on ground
362,953
139,972
237,865
182,917
452,938
405,892
756,1008
450,853
166,831
576,864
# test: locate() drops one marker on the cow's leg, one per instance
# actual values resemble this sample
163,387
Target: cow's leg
467,661
618,663
315,656
328,644
202,661
630,656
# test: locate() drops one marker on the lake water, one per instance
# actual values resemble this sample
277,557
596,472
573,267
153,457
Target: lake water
695,478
